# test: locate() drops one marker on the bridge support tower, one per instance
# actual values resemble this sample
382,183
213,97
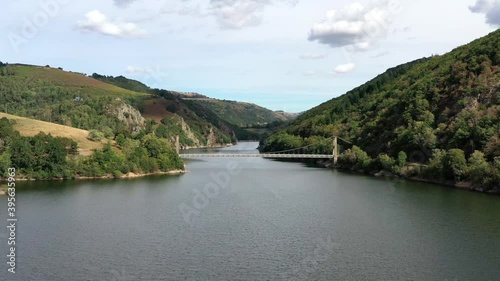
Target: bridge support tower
335,150
177,144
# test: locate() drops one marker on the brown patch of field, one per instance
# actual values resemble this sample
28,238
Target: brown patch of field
156,108
31,127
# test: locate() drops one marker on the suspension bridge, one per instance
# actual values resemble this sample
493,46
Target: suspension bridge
296,153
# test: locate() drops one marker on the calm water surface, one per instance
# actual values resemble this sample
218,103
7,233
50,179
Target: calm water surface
262,220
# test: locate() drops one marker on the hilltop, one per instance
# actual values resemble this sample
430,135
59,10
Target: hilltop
442,111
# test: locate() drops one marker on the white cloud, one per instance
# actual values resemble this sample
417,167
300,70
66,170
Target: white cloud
311,56
236,14
123,3
490,8
136,69
354,25
344,68
309,73
96,21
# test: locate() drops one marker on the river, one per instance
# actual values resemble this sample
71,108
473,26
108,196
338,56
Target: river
252,219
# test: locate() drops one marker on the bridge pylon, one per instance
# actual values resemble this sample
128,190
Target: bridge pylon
335,150
177,144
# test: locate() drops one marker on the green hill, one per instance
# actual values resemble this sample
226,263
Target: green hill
440,111
241,114
229,117
112,105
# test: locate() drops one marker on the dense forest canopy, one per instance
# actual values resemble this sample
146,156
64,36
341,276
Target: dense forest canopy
432,109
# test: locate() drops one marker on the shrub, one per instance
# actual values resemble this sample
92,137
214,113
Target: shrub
478,168
386,162
95,135
402,159
435,169
355,158
455,164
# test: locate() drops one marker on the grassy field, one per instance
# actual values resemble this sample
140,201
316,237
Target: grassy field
31,127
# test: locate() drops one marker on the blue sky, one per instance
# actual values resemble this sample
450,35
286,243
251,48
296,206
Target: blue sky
282,54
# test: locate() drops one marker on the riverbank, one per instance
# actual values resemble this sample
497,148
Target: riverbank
130,175
458,185
469,186
205,147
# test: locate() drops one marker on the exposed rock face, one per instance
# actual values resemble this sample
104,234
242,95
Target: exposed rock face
187,130
127,114
211,138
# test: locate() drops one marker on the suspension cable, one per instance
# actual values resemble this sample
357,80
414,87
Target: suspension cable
294,149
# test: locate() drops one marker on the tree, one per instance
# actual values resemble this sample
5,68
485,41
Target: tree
120,140
95,135
478,167
161,131
386,162
435,168
402,159
455,164
5,164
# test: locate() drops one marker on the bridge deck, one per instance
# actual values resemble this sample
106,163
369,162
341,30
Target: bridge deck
261,155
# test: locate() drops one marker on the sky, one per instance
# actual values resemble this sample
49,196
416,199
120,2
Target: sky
282,54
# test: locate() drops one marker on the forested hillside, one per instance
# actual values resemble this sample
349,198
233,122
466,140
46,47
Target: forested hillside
232,118
44,156
109,105
241,114
442,111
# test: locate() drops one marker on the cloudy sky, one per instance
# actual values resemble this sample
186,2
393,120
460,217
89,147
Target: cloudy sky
282,54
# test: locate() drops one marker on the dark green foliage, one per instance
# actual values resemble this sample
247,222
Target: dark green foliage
448,104
281,142
401,161
120,140
355,158
161,131
7,133
41,156
95,135
239,113
123,82
455,164
386,162
46,157
5,164
479,168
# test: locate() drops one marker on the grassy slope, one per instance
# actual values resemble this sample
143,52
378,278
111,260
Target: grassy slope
31,127
71,80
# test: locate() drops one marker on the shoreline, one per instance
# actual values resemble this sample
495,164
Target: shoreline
129,175
183,148
468,186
